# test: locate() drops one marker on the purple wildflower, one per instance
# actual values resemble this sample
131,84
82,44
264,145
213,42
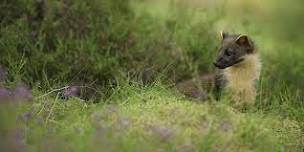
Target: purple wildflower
71,91
18,136
162,131
123,123
225,126
26,116
22,92
12,140
5,94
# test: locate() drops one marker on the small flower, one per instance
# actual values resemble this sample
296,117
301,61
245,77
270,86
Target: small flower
225,126
18,134
5,94
22,93
123,123
18,137
162,131
26,116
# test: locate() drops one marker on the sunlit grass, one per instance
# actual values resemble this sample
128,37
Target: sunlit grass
148,119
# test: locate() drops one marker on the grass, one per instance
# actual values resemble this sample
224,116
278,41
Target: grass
152,118
125,58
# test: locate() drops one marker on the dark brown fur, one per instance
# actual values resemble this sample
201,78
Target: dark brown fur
233,49
196,88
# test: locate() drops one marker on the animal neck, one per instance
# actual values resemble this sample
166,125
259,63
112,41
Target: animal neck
243,75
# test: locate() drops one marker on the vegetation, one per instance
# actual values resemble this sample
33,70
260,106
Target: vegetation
99,75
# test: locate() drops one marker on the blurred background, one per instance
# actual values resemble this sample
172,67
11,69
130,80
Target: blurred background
100,42
105,44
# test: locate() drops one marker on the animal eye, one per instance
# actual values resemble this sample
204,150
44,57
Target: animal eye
228,52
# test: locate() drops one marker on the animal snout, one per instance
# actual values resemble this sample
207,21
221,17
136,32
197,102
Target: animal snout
218,62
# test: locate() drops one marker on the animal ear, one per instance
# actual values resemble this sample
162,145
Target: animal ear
224,35
242,40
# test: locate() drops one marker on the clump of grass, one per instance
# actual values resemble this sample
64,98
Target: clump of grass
148,119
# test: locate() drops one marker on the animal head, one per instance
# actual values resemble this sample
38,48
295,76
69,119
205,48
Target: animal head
233,50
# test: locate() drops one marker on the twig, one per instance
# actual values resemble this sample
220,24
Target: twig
51,110
55,90
66,87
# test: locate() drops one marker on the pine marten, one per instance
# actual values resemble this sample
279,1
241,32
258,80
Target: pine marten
239,69
239,64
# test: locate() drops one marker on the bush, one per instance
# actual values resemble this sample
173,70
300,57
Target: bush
99,42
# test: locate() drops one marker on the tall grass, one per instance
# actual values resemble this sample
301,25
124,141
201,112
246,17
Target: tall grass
101,41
